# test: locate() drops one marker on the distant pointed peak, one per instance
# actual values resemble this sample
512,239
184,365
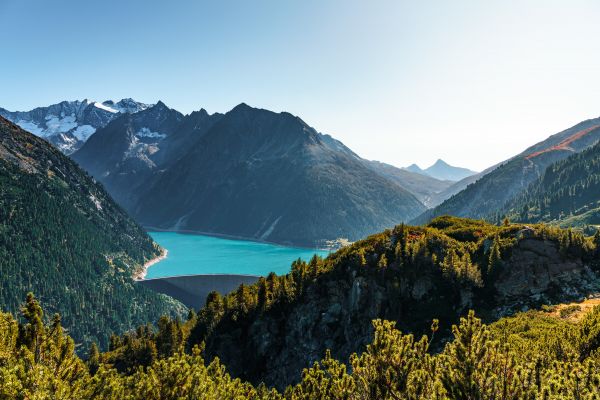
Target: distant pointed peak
441,162
414,168
201,111
241,106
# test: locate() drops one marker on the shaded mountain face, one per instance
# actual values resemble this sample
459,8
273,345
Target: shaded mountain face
64,238
127,153
250,173
494,188
269,176
568,193
69,124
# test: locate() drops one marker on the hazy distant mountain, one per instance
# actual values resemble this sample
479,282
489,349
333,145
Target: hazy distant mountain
251,173
424,187
496,186
415,168
444,171
69,124
430,191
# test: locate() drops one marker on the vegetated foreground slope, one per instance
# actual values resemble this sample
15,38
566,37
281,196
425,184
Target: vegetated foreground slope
548,354
270,331
62,236
568,193
251,173
493,190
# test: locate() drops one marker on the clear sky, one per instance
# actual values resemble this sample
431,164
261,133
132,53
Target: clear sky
472,82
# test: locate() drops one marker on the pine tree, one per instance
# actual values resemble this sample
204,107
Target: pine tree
495,258
262,300
93,359
597,245
33,331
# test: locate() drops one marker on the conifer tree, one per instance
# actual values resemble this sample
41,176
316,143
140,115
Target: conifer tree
495,258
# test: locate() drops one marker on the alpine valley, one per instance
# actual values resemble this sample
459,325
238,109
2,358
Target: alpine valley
503,308
248,173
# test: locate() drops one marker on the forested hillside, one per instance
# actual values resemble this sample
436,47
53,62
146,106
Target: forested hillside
63,237
492,190
533,355
568,193
271,330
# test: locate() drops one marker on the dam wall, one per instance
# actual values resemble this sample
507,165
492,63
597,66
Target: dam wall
192,290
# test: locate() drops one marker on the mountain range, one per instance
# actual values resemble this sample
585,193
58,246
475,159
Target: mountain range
69,124
133,149
250,173
443,171
248,156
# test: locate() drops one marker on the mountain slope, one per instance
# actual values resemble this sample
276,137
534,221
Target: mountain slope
69,124
63,237
424,187
124,153
268,332
567,193
492,190
250,173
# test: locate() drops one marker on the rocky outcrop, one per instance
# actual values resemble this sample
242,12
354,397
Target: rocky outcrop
336,311
537,273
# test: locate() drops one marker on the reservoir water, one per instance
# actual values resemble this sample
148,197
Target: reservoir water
199,254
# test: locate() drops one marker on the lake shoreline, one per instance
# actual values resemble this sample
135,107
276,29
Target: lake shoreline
141,275
234,237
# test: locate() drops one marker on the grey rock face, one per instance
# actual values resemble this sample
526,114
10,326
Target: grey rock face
69,124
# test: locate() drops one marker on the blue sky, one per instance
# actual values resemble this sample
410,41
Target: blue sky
471,82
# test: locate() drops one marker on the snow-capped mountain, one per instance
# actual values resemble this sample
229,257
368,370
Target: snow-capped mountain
69,124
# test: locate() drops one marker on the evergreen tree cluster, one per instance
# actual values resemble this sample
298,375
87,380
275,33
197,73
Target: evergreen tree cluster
528,356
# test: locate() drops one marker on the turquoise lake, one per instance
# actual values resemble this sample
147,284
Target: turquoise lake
199,254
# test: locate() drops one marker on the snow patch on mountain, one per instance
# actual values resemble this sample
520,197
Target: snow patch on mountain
30,126
145,132
105,108
83,132
55,124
